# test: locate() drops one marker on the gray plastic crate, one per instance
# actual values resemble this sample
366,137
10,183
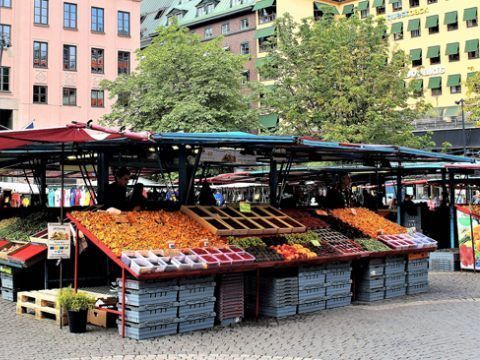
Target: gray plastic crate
395,268
417,265
396,291
279,302
371,295
336,302
394,259
147,284
196,291
372,283
150,297
193,307
311,307
279,284
373,270
342,266
417,288
417,277
310,293
311,278
278,312
142,333
9,294
142,314
339,289
196,280
394,280
197,324
338,275
7,281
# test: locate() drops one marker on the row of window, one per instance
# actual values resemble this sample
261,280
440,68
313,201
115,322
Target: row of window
225,28
70,17
452,51
97,56
454,83
380,7
40,92
432,23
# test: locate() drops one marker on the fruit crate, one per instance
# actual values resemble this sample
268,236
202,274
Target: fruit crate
417,265
263,254
342,243
307,278
150,313
395,280
196,291
339,266
398,242
310,307
149,296
394,259
196,280
417,277
372,283
417,288
339,301
371,295
423,241
395,291
195,307
134,331
339,289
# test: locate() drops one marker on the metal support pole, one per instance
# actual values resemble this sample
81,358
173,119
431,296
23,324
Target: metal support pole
123,301
452,209
273,183
75,271
191,178
182,174
102,176
399,196
257,295
461,102
444,182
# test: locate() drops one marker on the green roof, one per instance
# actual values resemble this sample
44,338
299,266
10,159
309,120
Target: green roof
433,51
451,17
262,4
269,121
470,14
452,48
435,82
432,21
454,80
471,45
347,9
397,28
265,32
378,3
363,5
261,61
413,24
416,54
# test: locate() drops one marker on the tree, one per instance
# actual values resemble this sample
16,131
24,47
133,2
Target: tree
472,102
339,79
182,84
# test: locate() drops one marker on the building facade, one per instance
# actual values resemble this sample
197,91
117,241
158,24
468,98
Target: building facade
56,53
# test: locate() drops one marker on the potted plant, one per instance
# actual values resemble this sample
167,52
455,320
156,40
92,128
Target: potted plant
77,305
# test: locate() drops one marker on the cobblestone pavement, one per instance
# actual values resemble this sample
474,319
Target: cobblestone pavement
442,324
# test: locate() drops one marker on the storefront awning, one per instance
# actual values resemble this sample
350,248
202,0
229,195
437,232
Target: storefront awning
471,45
454,80
265,32
432,21
433,52
413,25
262,4
435,82
451,18
452,48
470,14
416,54
397,28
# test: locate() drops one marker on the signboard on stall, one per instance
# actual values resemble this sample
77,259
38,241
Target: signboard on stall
59,241
468,227
227,156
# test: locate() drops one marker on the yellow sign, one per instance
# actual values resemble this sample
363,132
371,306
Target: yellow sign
245,207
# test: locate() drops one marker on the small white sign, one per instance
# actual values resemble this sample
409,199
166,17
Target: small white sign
59,241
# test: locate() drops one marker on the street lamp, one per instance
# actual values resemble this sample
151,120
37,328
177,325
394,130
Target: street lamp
462,103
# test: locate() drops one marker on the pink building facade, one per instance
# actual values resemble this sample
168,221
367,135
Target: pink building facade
55,55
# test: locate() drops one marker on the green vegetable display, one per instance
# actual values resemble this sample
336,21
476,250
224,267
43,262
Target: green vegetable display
20,229
246,242
372,245
302,238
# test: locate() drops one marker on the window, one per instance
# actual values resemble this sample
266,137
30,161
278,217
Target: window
6,3
157,16
39,94
69,96
432,24
453,52
451,20
69,57
97,20
470,17
416,56
97,61
41,12
225,28
435,84
397,31
245,48
123,23
266,15
414,28
4,78
435,60
5,36
431,2
457,89
244,24
205,9
415,33
437,92
123,62
397,5
433,53
40,54
364,13
473,55
69,16
471,48
208,33
266,44
414,3
381,10
96,98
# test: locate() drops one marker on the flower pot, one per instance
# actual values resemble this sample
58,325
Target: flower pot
77,321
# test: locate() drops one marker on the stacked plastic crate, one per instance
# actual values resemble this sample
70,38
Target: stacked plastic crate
372,281
9,288
150,308
196,304
229,306
417,276
338,281
395,285
311,289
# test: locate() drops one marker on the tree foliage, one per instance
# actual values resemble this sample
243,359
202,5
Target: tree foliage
472,102
338,78
182,84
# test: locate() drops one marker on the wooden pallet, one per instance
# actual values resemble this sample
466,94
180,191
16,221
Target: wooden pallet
41,304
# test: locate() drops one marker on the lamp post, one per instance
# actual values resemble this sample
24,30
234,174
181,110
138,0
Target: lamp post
462,103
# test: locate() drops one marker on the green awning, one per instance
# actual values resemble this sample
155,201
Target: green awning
395,1
417,85
435,82
471,45
397,28
433,52
416,54
378,3
363,5
262,4
451,17
452,111
432,21
265,32
269,121
347,9
452,48
470,14
471,75
413,25
454,80
327,9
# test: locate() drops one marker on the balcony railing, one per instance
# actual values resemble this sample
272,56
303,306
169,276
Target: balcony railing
267,18
454,122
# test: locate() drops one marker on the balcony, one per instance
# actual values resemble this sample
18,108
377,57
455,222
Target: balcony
263,19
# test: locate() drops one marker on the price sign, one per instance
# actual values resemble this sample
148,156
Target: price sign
171,245
315,243
245,207
206,244
59,239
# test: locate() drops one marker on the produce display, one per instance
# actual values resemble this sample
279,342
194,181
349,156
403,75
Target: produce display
368,222
294,252
146,230
349,231
246,242
323,249
263,254
306,218
372,245
304,238
20,229
339,241
399,241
